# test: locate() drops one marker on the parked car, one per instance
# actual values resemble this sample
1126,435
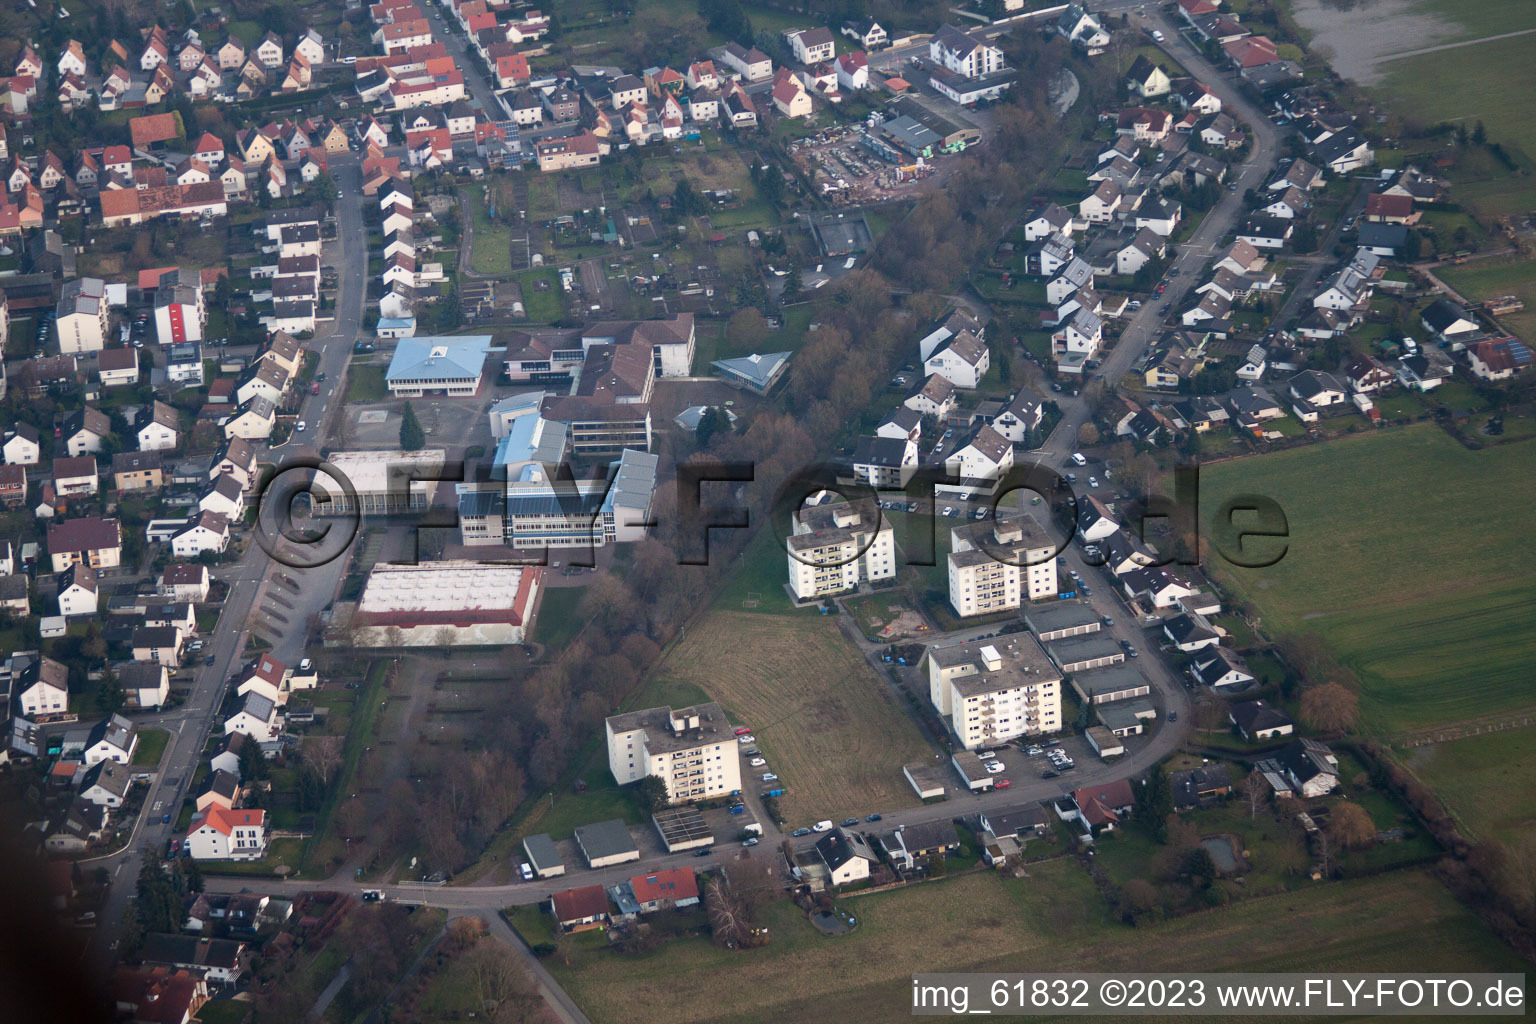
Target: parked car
770,777
797,833
822,826
703,853
1048,774
748,738
749,842
758,762
1173,716
873,817
1003,783
850,822
742,731
526,870
995,767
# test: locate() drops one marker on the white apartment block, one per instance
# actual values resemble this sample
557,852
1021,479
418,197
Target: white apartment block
995,690
693,750
836,546
982,584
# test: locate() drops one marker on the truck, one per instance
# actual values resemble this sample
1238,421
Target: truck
753,827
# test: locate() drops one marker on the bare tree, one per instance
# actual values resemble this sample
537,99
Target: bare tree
1330,707
1255,789
324,754
1350,827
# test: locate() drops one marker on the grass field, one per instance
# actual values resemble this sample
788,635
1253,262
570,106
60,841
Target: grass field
1051,921
827,725
151,747
1488,279
491,252
544,305
1400,560
1486,781
365,383
558,621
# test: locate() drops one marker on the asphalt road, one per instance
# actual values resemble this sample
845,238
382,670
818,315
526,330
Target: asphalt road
1185,272
189,724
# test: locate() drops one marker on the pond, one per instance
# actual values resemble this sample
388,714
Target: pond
1223,853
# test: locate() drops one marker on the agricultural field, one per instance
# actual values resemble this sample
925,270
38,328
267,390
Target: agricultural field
1406,571
1487,279
827,725
1485,781
1051,921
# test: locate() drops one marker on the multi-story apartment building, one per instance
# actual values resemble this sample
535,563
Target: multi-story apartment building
995,690
995,566
836,546
692,750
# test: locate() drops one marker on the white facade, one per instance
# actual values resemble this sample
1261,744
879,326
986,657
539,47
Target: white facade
994,691
693,750
834,548
981,584
221,834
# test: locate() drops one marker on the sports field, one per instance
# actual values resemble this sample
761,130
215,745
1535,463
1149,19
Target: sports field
1053,920
1409,557
829,728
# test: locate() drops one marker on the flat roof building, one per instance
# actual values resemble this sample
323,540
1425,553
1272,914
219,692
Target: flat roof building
606,843
693,750
995,564
452,366
995,690
447,603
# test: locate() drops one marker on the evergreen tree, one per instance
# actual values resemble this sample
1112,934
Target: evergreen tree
792,283
412,437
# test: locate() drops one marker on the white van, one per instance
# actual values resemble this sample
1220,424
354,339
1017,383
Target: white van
1157,36
822,826
1078,460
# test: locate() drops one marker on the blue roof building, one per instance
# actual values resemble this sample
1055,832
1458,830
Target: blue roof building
452,366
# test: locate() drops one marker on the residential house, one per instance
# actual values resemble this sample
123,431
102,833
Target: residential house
137,471
1447,321
144,684
114,738
1146,79
159,428
221,833
204,533
93,540
85,431
811,46
257,717
1258,720
79,593
1309,767
847,855
1496,359
41,690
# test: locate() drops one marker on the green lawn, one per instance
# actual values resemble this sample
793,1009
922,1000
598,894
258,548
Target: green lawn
224,1011
365,383
559,621
544,306
1400,559
1486,781
492,245
1487,279
151,747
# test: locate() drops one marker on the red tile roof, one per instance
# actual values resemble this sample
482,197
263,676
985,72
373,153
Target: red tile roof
676,884
577,904
152,128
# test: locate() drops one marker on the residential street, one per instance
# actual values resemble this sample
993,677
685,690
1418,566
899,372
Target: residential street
249,582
